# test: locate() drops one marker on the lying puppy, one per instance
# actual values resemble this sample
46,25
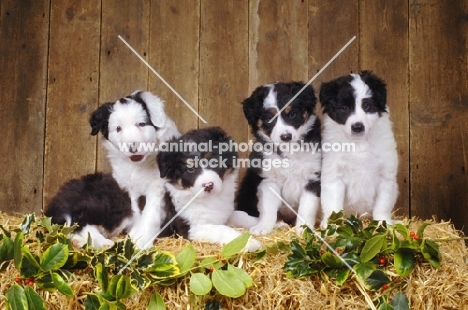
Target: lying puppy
97,204
292,141
362,180
133,127
199,166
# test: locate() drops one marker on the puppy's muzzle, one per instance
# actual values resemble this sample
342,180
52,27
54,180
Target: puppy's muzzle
208,186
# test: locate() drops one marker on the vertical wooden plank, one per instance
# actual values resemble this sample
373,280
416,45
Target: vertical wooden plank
70,151
384,50
278,42
331,25
224,65
439,109
121,71
174,54
24,27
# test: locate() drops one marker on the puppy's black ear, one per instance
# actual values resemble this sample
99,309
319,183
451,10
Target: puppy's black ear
378,87
328,95
253,106
163,159
99,120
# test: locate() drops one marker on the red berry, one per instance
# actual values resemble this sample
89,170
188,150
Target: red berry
416,237
322,252
382,261
211,268
17,279
385,286
412,234
224,261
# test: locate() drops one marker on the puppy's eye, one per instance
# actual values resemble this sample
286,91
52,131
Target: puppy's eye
366,106
292,115
344,109
142,124
190,169
119,129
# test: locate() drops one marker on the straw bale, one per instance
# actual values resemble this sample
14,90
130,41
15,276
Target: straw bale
426,287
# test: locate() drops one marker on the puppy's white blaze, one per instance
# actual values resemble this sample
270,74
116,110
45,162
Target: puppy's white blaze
361,89
270,101
282,128
68,219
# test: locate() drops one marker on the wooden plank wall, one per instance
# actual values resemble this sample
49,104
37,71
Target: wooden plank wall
60,60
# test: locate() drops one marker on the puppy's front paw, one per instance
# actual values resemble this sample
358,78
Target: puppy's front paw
253,245
261,230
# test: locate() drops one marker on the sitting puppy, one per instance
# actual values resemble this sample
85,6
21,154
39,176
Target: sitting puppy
199,168
292,141
97,204
133,127
362,180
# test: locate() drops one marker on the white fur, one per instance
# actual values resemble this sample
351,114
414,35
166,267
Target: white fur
142,177
363,181
209,213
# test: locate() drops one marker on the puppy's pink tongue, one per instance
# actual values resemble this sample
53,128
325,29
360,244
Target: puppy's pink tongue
136,157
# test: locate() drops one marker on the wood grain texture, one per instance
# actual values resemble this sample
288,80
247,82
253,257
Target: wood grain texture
121,71
384,50
439,109
278,42
23,65
223,81
174,54
70,151
331,25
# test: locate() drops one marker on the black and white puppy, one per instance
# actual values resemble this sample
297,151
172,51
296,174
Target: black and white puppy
363,179
198,167
133,127
97,204
292,141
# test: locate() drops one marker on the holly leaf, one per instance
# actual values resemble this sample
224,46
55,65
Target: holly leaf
200,284
372,247
376,279
241,274
156,302
331,260
16,298
404,262
35,301
54,257
61,285
185,259
235,246
227,284
400,302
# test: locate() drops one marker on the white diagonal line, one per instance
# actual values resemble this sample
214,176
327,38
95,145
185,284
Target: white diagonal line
162,229
313,78
162,79
315,232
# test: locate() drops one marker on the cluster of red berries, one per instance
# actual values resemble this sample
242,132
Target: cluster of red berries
382,260
25,281
413,235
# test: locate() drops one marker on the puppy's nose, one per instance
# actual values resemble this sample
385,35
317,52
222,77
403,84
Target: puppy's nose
358,127
208,186
286,137
132,147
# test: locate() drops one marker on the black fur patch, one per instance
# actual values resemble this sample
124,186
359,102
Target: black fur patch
99,120
95,199
314,187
